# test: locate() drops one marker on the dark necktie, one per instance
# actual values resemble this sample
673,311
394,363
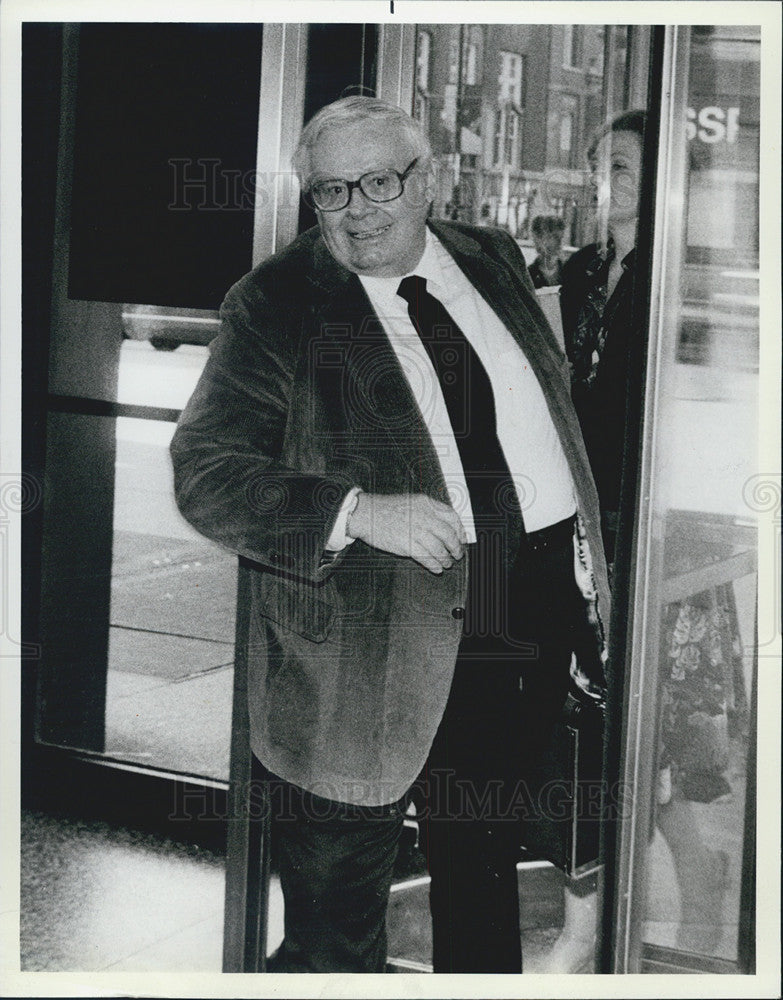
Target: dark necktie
470,402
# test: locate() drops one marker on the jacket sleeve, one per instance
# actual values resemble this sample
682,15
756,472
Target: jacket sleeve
229,480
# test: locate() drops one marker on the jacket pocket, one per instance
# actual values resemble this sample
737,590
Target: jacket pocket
299,607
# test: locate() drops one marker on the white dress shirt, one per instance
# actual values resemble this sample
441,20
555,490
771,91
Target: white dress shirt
525,429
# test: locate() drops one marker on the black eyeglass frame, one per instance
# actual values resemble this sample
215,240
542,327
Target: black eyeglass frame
350,185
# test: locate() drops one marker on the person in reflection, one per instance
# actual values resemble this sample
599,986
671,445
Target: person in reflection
384,432
596,305
595,300
547,232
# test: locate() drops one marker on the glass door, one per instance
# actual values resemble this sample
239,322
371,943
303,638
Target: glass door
137,611
686,851
171,184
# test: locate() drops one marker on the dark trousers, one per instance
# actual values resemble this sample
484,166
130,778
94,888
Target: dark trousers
509,686
335,862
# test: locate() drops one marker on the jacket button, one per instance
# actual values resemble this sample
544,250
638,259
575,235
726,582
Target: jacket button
458,613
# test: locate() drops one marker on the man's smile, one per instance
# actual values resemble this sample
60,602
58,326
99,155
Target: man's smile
368,234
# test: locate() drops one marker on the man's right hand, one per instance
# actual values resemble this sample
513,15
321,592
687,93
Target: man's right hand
411,525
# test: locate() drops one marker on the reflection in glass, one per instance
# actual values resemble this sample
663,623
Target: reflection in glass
705,686
490,98
702,590
137,609
166,327
171,637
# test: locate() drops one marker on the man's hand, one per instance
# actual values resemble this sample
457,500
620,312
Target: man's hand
409,525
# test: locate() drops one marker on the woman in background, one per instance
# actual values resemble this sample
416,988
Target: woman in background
595,301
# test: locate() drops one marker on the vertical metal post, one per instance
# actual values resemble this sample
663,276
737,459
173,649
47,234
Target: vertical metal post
247,847
635,640
280,112
746,945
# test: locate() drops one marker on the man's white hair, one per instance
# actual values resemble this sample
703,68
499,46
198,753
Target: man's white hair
348,111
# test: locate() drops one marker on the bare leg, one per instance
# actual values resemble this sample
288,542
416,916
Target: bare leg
574,950
702,876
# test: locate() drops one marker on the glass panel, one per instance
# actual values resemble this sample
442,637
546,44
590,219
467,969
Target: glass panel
701,597
128,583
165,218
138,610
164,162
171,635
691,676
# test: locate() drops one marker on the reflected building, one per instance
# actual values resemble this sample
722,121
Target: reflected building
510,109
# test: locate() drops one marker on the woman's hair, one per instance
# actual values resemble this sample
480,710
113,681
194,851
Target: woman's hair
348,111
628,121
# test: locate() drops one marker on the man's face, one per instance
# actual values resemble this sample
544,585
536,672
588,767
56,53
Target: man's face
379,239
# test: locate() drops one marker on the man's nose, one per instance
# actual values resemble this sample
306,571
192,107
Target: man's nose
358,203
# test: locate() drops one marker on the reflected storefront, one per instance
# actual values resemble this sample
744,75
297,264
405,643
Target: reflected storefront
143,621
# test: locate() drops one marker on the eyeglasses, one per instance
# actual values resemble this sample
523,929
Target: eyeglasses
378,185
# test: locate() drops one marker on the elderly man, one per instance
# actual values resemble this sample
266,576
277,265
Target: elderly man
384,428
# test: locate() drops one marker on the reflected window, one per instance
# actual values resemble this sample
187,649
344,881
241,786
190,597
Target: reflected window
423,61
568,124
506,147
510,78
421,109
471,64
573,45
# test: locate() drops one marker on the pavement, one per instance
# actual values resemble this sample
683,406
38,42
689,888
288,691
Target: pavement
173,596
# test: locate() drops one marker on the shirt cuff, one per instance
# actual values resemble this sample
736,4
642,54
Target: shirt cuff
338,539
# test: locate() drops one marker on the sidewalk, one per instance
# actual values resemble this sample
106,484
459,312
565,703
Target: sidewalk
171,653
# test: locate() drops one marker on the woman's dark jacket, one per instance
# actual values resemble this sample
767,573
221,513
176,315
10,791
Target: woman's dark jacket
597,341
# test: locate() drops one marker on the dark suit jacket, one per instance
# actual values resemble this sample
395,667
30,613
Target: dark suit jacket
351,657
